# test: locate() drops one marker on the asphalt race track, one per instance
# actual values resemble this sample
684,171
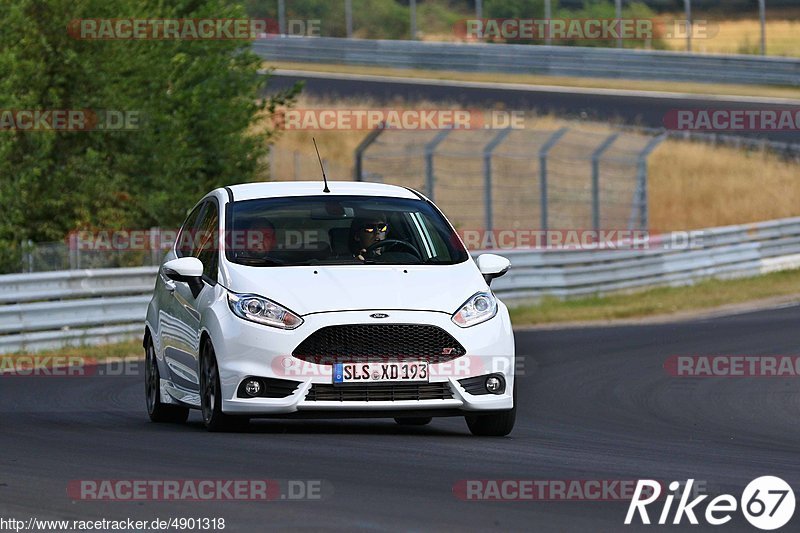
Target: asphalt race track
600,105
595,403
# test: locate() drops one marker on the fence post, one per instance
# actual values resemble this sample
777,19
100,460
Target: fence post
543,151
762,14
73,251
348,17
640,195
361,148
155,245
30,255
282,16
687,6
412,7
487,175
430,149
548,16
596,178
618,10
271,163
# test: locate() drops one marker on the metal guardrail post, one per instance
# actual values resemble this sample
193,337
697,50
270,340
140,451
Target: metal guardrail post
430,149
596,178
640,195
543,151
487,175
361,148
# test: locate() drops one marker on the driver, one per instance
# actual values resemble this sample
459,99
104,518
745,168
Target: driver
366,231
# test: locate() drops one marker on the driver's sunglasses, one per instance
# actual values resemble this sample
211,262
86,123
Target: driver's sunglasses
380,228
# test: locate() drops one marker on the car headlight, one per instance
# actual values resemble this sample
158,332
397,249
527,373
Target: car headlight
479,308
262,311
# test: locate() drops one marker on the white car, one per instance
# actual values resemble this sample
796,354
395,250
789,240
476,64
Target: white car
281,300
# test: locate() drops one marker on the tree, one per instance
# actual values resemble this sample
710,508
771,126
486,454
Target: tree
197,101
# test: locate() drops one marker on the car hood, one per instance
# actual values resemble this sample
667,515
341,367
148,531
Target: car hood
308,289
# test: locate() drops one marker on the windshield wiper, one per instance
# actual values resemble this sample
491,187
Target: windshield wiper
259,261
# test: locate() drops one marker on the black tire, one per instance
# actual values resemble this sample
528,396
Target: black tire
413,420
211,395
159,412
497,424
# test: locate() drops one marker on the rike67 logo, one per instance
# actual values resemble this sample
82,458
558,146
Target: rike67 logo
767,503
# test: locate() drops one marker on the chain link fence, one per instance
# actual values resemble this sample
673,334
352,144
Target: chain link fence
65,255
510,179
293,165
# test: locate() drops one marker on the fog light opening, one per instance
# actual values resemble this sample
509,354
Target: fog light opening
253,387
495,384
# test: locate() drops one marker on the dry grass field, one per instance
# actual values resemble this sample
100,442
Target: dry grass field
691,185
744,36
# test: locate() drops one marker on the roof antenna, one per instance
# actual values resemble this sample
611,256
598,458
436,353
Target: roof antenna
324,177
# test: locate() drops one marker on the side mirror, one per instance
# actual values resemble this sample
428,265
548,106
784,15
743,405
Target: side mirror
186,270
492,266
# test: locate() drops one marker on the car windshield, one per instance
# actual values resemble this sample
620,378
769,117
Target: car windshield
340,230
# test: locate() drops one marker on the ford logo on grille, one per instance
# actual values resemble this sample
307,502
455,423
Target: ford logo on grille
379,315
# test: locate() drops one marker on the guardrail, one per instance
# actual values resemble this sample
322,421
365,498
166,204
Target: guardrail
535,59
53,309
72,308
725,252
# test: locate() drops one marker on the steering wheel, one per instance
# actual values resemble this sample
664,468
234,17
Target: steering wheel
391,243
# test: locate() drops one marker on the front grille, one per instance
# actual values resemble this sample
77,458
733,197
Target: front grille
357,343
379,392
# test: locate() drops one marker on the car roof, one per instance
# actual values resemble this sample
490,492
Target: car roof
276,189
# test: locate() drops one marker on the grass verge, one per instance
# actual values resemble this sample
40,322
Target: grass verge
705,295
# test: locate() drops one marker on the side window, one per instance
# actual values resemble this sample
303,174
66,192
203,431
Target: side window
207,241
185,244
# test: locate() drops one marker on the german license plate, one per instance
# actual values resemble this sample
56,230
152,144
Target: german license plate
379,372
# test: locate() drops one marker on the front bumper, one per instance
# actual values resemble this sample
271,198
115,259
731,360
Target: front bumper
248,349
